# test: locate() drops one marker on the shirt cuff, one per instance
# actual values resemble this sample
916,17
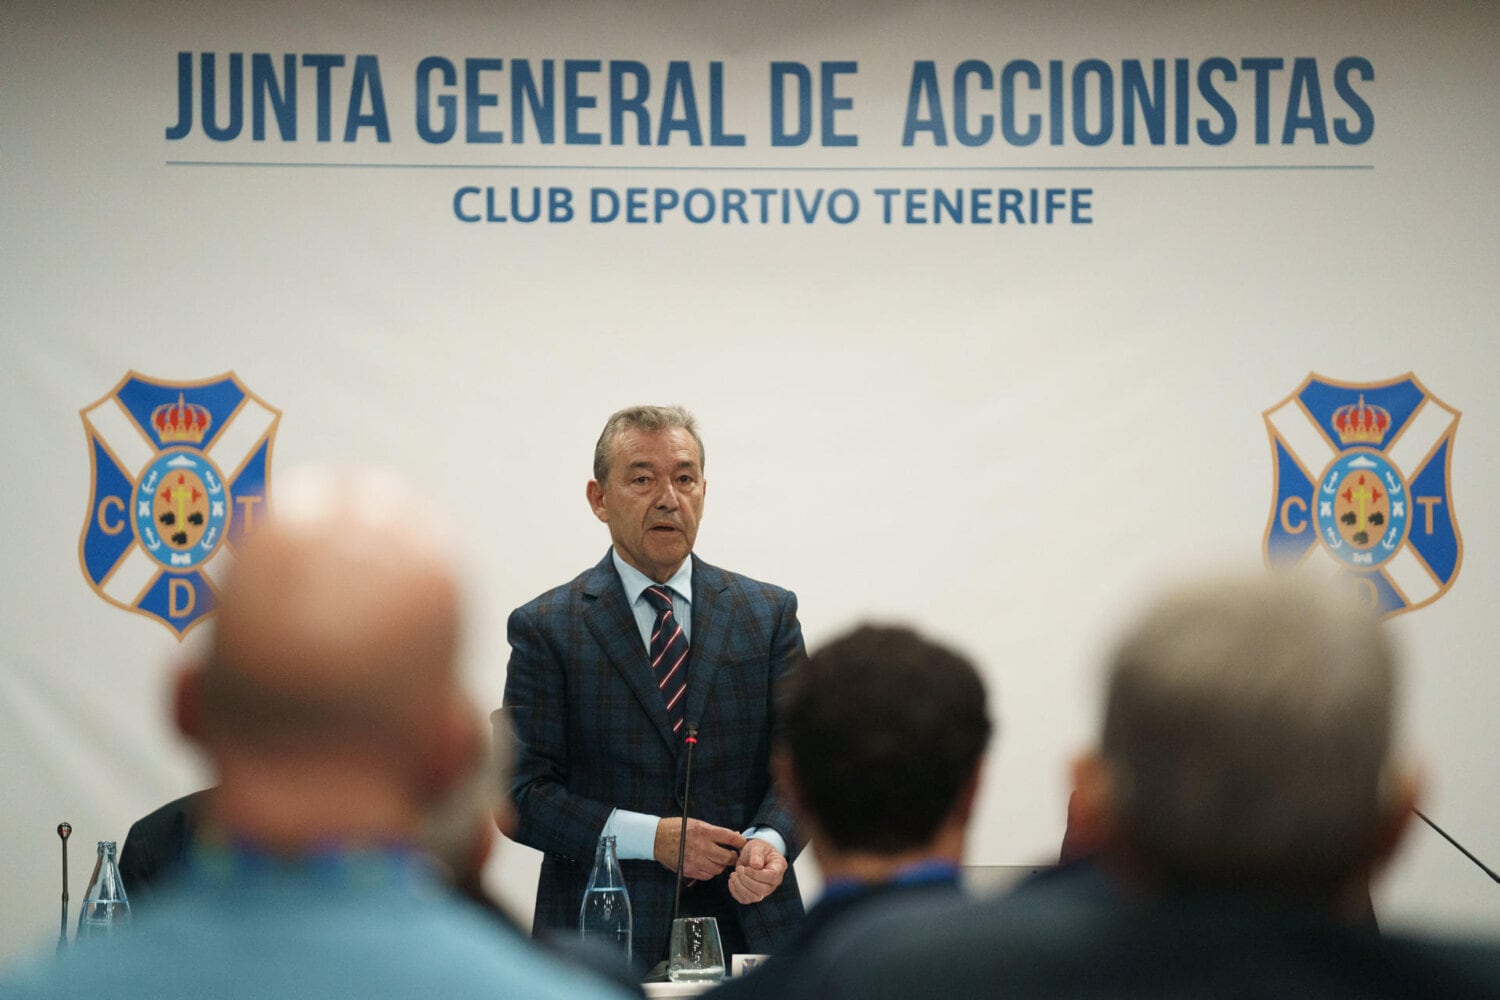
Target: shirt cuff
634,833
770,836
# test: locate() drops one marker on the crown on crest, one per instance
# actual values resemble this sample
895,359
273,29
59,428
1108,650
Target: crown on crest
1361,423
181,421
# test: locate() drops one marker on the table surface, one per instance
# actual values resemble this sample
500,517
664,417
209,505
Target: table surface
655,990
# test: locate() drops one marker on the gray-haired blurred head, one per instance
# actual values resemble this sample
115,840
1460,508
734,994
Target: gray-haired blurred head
1248,735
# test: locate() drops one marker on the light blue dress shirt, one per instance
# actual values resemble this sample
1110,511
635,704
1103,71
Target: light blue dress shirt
681,586
376,925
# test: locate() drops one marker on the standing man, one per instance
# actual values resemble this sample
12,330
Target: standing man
609,675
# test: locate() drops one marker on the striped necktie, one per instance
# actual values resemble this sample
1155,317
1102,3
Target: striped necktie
669,651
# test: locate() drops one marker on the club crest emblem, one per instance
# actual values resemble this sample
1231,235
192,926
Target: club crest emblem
181,472
1362,488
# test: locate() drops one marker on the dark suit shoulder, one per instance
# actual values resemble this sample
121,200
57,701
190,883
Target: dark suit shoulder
766,601
1078,936
174,814
158,842
707,574
590,582
601,576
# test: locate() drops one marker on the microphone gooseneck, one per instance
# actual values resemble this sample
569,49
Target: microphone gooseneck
687,783
64,831
1461,848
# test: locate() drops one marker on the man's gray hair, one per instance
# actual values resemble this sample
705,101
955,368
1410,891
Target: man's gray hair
1248,729
642,418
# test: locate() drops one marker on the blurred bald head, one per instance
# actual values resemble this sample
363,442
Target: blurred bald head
335,646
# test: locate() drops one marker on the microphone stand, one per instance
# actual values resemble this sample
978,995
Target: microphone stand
687,784
64,830
1461,849
658,973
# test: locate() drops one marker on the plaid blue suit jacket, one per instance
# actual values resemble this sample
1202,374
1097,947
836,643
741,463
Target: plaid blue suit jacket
593,735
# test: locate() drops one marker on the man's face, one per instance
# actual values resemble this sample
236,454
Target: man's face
653,499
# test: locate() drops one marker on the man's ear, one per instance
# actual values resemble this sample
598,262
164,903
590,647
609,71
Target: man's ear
595,493
505,818
452,750
1092,813
963,806
785,777
187,703
1398,815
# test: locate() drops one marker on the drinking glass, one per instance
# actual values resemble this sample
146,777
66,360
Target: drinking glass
697,955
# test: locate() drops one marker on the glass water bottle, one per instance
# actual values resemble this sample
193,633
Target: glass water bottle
605,913
105,907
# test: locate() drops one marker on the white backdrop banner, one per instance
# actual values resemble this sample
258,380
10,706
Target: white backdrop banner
994,318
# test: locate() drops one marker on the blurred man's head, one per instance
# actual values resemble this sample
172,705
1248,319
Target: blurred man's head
329,701
1247,741
879,742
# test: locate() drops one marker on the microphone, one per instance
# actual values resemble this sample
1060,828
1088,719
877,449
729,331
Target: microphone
64,831
687,783
1461,849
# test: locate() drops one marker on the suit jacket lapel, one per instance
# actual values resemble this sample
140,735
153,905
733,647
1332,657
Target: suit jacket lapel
613,626
714,611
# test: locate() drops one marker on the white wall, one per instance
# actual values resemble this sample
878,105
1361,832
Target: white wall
1004,433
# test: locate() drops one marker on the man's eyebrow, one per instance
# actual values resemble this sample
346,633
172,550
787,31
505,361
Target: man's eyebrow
650,466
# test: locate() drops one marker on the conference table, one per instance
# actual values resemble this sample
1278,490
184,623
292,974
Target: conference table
658,991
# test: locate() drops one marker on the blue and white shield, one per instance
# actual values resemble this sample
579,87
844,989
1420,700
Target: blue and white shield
1363,489
181,473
